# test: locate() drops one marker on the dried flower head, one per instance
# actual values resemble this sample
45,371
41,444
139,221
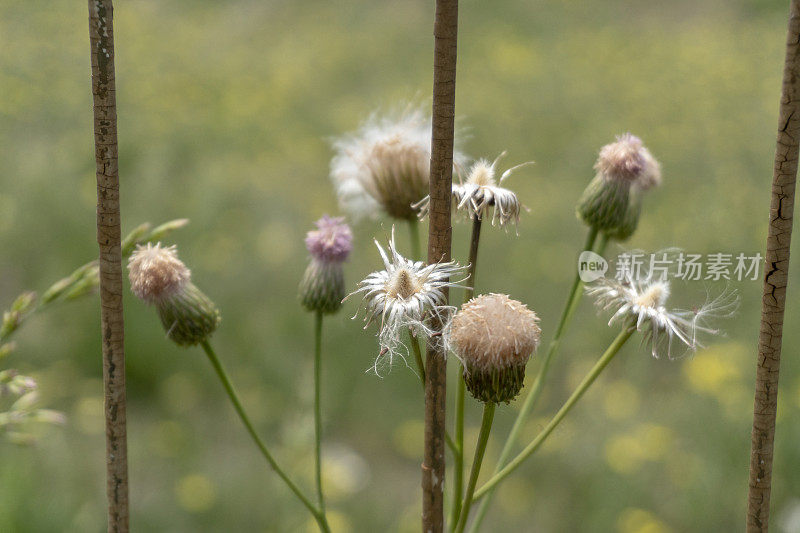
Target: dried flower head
156,272
401,296
322,286
494,336
384,165
612,200
643,303
481,193
158,277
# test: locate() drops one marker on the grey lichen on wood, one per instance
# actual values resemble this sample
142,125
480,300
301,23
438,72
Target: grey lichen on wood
101,39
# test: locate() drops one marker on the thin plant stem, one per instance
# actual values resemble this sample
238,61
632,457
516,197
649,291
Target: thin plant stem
601,364
318,408
458,457
417,356
413,233
440,227
237,405
536,388
421,367
474,241
773,300
109,240
480,449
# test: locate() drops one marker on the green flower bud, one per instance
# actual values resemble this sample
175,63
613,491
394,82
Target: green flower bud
188,316
158,277
612,202
322,287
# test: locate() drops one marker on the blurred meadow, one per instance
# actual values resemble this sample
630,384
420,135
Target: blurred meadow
226,111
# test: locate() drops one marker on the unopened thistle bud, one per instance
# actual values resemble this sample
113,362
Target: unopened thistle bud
322,288
611,202
494,336
158,277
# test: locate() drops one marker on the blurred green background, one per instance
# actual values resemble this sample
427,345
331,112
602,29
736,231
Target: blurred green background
226,110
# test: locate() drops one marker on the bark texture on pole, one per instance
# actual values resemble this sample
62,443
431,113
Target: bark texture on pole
776,273
101,39
445,31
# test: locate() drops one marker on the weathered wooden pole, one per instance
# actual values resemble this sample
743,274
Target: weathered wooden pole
776,274
101,39
445,32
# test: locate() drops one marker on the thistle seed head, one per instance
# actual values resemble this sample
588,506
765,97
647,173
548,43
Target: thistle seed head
623,159
156,273
385,166
643,304
494,336
401,297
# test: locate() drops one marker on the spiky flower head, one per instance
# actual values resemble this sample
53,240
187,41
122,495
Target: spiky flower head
402,295
643,304
481,193
332,241
384,166
611,202
494,336
158,277
322,286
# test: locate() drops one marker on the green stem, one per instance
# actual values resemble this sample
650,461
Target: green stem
480,449
458,458
536,389
237,405
413,231
458,455
417,356
606,358
475,240
318,408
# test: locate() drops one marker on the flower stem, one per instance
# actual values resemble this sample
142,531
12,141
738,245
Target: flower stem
417,356
318,408
480,449
475,240
536,389
237,405
421,366
413,232
458,457
606,358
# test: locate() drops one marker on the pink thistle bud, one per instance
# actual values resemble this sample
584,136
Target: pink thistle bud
322,286
158,277
332,241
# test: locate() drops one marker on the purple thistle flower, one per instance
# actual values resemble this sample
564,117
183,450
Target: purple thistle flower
332,241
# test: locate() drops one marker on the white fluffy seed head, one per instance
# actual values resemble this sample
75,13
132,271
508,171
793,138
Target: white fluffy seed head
156,273
492,332
628,160
654,296
384,166
482,174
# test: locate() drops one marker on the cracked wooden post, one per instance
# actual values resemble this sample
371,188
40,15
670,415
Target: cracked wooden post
101,40
439,236
776,273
